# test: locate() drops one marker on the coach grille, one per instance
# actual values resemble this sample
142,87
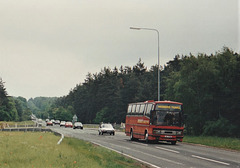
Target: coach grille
166,132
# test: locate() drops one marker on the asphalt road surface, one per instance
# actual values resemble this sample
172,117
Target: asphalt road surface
160,155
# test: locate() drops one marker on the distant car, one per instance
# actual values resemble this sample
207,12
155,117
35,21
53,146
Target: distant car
106,128
62,123
39,122
77,125
49,123
57,122
68,124
53,121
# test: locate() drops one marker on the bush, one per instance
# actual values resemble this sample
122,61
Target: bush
222,127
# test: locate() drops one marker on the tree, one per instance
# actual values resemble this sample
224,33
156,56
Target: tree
3,93
8,111
102,115
40,106
207,85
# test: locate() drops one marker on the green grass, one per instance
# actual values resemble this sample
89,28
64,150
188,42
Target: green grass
90,125
226,143
40,150
18,123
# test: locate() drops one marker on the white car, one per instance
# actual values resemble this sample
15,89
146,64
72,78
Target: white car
57,122
62,123
39,122
77,125
53,121
106,128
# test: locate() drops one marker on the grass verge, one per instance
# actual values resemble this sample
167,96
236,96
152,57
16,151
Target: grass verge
226,143
18,123
40,150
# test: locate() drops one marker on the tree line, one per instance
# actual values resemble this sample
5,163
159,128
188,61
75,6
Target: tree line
40,106
44,107
12,108
207,85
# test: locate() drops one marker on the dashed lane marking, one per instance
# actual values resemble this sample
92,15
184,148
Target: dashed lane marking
169,150
153,156
211,160
128,156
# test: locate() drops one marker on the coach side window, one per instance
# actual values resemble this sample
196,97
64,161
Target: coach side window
129,109
142,109
149,108
138,108
133,109
145,109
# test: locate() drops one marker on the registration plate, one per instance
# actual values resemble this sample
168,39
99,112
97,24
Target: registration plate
168,136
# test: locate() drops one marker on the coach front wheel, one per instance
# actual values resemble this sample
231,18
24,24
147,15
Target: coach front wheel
131,136
146,137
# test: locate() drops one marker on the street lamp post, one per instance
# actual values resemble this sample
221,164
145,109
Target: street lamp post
138,28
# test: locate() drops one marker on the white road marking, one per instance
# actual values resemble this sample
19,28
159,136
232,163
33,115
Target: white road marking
169,150
128,155
62,136
160,158
139,143
211,160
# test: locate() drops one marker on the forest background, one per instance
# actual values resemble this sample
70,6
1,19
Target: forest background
207,85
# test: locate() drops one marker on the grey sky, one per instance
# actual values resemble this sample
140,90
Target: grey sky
49,46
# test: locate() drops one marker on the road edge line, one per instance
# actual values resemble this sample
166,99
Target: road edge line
152,165
211,160
59,142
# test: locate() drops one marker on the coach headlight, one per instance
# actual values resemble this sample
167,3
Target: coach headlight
178,132
158,131
162,132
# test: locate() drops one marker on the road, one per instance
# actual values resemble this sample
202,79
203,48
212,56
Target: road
160,155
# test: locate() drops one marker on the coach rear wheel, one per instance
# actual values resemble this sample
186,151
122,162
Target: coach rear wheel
173,142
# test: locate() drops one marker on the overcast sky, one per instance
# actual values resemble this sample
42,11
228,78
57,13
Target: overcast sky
49,46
